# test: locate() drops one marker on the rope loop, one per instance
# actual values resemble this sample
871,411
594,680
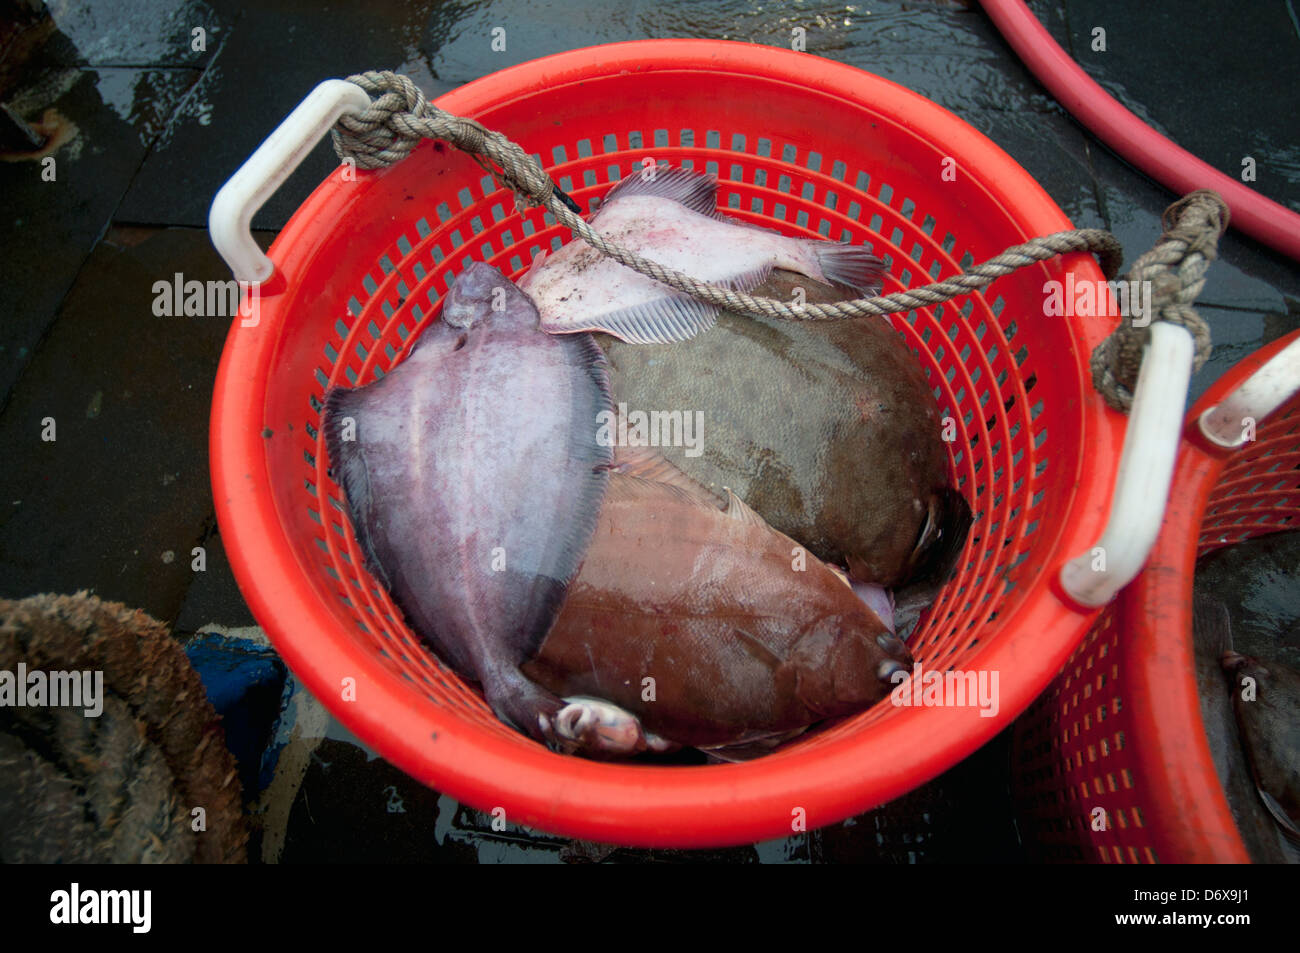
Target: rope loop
1175,270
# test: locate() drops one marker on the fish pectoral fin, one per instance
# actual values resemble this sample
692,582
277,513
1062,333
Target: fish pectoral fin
693,190
852,266
665,320
739,511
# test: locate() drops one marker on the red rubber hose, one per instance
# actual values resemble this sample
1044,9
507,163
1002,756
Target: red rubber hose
1166,162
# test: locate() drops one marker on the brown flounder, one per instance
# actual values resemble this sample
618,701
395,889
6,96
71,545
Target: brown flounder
828,429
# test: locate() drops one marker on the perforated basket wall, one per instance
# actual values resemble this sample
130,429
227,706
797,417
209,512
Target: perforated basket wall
1121,729
802,145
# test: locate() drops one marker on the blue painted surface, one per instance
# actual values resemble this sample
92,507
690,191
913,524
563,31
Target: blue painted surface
244,681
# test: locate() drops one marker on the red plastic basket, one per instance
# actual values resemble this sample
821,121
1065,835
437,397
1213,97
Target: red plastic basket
1121,727
801,144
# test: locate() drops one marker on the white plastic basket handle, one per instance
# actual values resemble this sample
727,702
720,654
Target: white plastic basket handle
1151,445
1228,424
1146,467
231,216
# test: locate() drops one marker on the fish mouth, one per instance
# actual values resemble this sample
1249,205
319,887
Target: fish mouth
898,658
942,537
461,312
597,728
477,290
895,647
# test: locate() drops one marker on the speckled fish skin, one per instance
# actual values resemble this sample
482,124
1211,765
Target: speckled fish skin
670,216
708,603
827,429
474,481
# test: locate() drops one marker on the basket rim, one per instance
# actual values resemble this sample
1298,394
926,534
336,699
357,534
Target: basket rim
1171,747
630,804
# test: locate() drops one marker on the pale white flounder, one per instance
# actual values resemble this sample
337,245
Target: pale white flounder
672,219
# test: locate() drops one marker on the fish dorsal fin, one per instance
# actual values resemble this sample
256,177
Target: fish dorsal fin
739,511
667,320
749,280
647,464
348,462
693,190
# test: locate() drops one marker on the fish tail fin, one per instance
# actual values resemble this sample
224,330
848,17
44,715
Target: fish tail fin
852,266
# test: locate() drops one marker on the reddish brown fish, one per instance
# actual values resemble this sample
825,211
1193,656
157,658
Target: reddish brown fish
740,632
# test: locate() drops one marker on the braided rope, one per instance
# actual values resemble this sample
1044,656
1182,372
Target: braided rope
400,117
1175,268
